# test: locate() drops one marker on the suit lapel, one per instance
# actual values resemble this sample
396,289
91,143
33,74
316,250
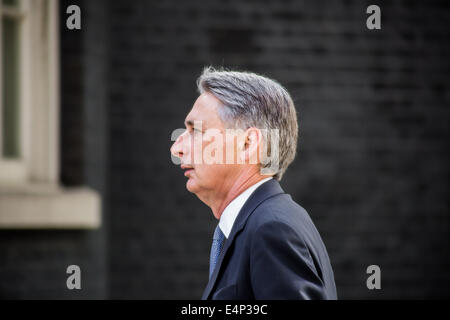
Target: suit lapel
264,191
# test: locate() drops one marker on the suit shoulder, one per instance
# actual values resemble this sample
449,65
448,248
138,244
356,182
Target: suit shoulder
279,209
283,214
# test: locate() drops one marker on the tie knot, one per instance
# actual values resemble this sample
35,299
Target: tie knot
218,234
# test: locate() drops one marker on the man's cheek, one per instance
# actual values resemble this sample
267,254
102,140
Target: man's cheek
231,153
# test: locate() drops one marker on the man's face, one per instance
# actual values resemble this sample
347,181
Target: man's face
204,177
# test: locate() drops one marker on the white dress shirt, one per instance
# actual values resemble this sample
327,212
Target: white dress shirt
232,210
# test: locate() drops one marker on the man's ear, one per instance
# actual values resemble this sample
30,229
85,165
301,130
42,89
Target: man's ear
250,146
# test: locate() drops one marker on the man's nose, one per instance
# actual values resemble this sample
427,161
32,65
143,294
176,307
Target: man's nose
177,148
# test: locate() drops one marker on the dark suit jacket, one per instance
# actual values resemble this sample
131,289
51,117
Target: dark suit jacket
274,251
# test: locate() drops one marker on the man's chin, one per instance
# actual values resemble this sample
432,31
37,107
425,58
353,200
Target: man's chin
191,186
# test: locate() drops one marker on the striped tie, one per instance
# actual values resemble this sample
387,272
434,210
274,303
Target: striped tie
216,247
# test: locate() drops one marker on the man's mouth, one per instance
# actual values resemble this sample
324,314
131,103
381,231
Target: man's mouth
187,170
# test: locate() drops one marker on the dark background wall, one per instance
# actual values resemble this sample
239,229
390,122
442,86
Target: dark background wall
33,263
372,167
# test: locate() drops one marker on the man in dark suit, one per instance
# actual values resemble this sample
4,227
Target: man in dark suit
240,137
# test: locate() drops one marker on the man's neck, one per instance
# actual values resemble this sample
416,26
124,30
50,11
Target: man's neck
242,183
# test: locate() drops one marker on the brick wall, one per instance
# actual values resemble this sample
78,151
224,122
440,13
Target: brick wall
372,167
372,163
33,263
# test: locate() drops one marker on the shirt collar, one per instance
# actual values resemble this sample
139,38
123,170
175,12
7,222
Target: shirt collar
232,210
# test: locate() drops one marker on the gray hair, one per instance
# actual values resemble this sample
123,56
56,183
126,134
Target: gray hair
251,100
